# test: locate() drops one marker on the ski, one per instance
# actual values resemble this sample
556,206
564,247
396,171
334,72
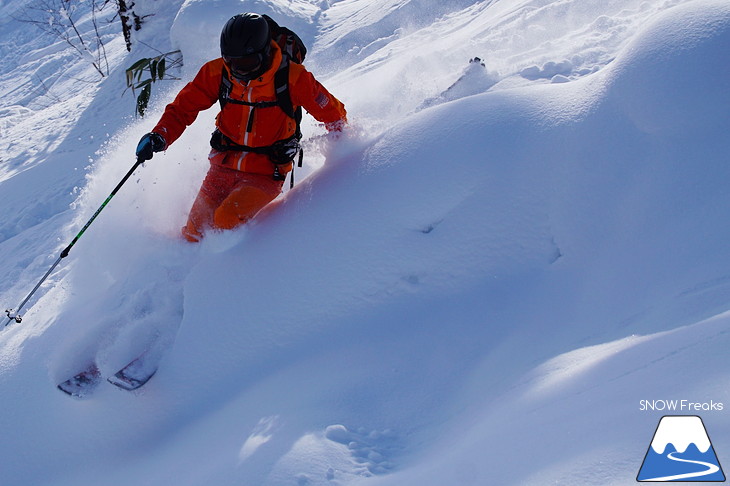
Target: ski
135,374
131,377
82,384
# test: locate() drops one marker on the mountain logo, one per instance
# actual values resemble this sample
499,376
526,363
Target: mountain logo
681,451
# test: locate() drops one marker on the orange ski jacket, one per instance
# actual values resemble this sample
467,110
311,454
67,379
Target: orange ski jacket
248,125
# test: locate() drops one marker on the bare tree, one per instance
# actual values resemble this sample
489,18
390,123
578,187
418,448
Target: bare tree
62,19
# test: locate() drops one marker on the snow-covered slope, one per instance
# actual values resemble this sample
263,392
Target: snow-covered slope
477,284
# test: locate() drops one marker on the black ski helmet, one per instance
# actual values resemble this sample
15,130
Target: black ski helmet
245,34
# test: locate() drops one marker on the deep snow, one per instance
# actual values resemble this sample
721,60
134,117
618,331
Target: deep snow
477,284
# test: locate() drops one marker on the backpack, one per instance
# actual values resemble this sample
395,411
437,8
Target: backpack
283,151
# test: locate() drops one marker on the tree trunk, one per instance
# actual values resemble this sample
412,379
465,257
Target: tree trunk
126,25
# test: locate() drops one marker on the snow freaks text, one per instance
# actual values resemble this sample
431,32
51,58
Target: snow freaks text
680,406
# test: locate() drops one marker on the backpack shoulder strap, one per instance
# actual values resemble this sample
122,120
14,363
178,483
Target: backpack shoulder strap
283,96
281,86
224,90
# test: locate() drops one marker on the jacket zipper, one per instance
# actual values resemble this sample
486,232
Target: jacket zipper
249,126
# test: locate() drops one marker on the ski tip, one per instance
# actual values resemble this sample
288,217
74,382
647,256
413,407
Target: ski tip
70,391
128,383
82,384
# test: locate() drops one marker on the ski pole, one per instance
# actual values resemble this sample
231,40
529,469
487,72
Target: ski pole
14,315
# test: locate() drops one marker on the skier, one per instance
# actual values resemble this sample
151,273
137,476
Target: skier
255,140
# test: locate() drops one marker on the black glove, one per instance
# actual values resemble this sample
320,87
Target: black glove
284,151
150,143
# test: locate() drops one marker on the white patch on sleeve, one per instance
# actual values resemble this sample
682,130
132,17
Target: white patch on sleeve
322,100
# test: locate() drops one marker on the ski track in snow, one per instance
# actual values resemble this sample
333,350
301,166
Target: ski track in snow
711,469
501,255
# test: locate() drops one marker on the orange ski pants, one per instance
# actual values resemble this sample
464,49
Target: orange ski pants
228,198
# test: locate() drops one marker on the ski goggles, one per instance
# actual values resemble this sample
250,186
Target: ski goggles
245,64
